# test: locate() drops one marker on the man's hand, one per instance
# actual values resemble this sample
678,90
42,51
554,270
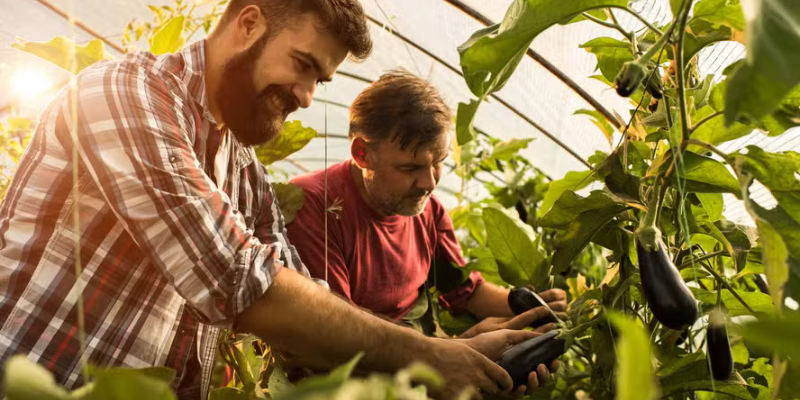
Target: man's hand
556,299
493,344
519,322
463,366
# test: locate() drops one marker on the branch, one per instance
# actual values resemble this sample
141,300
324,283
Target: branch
607,24
711,148
644,21
703,258
704,120
728,286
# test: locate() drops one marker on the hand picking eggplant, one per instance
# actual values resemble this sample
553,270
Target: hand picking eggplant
522,359
667,295
718,347
522,299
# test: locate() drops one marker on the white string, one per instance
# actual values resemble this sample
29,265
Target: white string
325,195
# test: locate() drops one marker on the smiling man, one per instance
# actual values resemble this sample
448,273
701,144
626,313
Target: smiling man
385,228
140,199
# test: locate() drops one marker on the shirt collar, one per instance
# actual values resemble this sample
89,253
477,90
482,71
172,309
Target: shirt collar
194,57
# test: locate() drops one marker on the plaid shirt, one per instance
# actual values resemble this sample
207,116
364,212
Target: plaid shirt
167,257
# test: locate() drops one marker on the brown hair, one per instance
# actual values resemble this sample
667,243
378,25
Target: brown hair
344,19
400,107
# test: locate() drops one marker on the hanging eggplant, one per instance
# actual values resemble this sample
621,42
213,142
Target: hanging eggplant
522,211
718,347
667,294
522,359
761,283
522,299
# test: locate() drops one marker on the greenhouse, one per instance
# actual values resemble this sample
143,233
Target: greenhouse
385,199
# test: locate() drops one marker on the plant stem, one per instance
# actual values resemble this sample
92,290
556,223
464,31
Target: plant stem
711,148
728,286
574,332
704,120
644,21
684,17
615,26
703,258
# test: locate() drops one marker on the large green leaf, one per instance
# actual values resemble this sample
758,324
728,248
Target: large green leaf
600,122
703,34
293,137
321,383
465,132
775,334
130,384
573,180
25,380
169,37
65,53
635,379
482,260
489,59
611,55
714,131
720,12
290,199
774,256
770,70
579,219
509,148
759,302
520,261
713,204
706,175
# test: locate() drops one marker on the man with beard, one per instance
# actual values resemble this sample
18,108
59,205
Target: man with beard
140,207
385,228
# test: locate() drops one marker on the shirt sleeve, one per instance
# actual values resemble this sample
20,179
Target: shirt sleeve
134,140
307,234
448,255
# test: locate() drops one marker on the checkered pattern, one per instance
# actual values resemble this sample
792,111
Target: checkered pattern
166,257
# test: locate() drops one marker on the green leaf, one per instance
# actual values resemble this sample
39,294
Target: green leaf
520,261
293,137
228,393
759,302
600,122
740,353
714,131
675,6
130,384
769,71
509,148
573,180
491,55
290,199
579,220
775,334
65,53
26,380
321,383
720,12
705,175
713,204
465,132
169,37
635,371
482,260
610,53
279,384
774,255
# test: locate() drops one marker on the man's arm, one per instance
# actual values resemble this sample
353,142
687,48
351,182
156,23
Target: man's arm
489,300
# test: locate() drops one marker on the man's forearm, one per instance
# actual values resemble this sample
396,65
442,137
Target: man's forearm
299,316
489,300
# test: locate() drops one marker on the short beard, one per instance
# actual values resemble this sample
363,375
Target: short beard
389,205
249,114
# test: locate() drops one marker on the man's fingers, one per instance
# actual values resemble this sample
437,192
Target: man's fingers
488,385
553,295
499,375
557,306
515,336
546,328
526,319
555,365
533,381
543,374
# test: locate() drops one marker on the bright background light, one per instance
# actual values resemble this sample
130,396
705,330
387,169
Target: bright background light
28,84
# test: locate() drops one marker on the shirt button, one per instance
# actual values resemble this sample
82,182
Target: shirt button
173,159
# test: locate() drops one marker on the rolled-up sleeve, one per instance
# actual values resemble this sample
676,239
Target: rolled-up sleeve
135,141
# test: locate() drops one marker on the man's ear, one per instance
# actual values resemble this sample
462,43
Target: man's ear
359,150
250,25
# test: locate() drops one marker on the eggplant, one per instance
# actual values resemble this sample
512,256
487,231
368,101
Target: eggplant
522,299
653,85
522,359
718,347
667,294
629,78
761,283
522,211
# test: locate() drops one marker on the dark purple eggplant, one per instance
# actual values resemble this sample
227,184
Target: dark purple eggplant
522,211
718,347
522,299
667,294
522,359
761,283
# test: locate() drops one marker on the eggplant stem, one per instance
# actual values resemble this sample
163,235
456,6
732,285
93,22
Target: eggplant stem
705,257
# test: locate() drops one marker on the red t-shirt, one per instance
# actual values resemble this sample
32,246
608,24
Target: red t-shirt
377,262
